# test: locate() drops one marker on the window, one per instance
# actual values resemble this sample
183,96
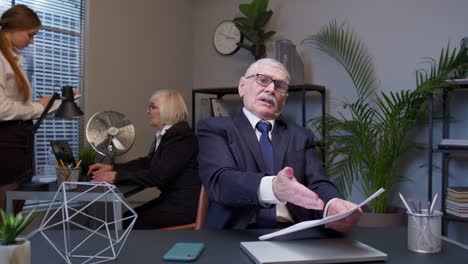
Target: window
55,60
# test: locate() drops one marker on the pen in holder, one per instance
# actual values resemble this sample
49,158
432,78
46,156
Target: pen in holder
68,175
424,231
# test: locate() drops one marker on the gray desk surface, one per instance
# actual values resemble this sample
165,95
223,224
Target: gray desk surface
126,190
49,193
223,246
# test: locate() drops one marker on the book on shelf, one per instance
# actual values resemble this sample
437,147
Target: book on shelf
457,192
457,209
456,144
458,189
453,212
456,204
460,200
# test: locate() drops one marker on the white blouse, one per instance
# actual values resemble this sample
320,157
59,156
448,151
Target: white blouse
12,106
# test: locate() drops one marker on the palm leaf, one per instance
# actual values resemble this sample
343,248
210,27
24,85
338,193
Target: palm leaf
341,44
364,145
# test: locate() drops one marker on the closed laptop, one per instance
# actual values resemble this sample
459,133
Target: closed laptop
336,250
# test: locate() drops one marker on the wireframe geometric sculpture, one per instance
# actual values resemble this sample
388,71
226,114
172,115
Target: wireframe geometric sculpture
106,237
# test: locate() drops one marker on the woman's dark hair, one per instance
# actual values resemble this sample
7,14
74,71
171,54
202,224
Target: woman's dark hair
18,17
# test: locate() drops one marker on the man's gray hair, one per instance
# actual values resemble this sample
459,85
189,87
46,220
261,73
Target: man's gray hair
268,61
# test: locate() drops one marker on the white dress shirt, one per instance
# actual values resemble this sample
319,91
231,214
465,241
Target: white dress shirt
265,191
159,135
12,106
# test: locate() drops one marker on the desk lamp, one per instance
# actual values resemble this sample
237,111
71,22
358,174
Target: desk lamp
67,110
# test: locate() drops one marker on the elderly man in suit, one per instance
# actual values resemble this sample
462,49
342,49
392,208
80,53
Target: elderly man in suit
260,171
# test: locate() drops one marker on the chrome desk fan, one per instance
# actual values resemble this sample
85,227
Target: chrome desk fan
110,134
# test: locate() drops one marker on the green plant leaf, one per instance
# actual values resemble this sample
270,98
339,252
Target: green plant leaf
246,10
365,144
11,226
251,26
250,48
242,20
341,44
262,5
263,19
266,36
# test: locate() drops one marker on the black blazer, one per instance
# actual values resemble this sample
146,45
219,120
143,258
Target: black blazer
173,169
231,168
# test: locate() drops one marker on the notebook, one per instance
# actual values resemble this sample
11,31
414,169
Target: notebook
334,250
62,152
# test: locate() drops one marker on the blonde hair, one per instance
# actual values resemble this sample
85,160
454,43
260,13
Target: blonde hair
18,17
172,107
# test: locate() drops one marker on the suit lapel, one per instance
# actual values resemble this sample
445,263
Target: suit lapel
280,141
248,134
176,127
152,148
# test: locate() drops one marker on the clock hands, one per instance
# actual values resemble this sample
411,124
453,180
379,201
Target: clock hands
228,37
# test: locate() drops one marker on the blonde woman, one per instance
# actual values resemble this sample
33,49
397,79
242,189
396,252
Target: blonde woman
171,166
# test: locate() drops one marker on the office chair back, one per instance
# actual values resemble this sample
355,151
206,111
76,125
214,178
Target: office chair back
201,214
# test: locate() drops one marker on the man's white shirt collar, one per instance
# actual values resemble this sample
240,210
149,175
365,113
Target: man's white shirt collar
253,119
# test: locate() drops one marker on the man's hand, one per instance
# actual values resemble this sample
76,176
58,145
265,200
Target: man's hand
338,206
287,188
106,176
98,168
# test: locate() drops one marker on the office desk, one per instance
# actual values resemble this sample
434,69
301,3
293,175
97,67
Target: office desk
148,246
49,194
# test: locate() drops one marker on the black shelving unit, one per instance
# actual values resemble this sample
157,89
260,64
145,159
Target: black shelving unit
293,88
445,150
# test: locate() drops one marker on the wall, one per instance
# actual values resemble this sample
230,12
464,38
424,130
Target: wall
134,48
398,33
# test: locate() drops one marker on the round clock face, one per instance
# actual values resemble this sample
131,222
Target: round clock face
226,38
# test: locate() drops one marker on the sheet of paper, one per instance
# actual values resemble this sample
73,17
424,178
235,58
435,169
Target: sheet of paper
325,220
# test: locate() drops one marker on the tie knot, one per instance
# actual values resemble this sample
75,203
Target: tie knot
264,126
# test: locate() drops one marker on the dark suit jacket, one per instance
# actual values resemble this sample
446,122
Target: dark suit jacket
231,168
173,169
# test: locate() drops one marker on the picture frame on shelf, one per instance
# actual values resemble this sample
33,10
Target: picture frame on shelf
218,108
205,108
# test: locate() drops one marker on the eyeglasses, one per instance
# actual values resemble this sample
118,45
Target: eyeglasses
265,80
151,107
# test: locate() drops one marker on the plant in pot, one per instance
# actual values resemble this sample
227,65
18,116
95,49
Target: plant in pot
87,155
12,248
252,26
365,143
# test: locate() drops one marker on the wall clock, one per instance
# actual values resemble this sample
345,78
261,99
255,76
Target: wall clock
226,37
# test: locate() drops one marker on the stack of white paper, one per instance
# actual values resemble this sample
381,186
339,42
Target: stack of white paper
325,220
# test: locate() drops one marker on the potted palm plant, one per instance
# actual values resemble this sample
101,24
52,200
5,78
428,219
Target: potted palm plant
12,248
365,144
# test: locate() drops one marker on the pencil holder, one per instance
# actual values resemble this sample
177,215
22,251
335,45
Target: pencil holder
68,175
424,231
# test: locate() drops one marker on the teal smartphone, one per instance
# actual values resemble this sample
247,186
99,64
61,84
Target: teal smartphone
184,252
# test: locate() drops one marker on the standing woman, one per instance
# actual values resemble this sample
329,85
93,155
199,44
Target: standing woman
18,26
171,166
